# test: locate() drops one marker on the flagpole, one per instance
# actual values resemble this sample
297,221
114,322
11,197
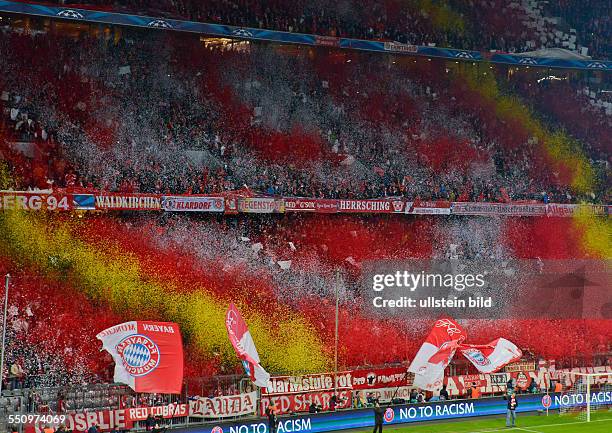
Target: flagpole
6,288
336,336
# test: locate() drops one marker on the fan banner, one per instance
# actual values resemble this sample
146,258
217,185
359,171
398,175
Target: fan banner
240,337
386,395
172,410
495,383
261,205
148,355
223,406
493,356
419,207
81,422
292,403
510,209
319,205
372,206
231,203
117,201
380,377
179,203
309,383
38,201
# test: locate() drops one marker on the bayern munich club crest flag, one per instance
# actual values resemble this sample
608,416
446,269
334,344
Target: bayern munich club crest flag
491,357
148,355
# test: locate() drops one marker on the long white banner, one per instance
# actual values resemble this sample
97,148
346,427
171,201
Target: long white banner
192,204
223,406
384,395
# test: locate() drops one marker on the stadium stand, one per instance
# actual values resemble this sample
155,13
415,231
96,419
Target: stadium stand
328,131
483,25
88,109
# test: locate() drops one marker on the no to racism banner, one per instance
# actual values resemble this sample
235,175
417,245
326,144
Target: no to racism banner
353,419
223,406
401,414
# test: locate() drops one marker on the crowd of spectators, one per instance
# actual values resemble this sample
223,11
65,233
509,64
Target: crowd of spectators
569,105
165,114
591,20
316,246
475,25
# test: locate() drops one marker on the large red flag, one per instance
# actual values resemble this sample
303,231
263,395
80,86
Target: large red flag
148,355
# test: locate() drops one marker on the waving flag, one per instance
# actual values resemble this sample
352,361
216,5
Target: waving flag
435,354
440,346
243,343
148,355
491,357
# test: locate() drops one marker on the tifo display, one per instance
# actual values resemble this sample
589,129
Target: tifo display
287,216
